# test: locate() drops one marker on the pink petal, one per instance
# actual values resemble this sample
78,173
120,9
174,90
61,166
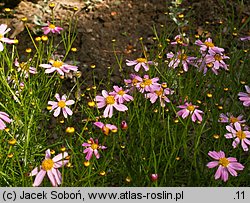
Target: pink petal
60,156
51,178
39,178
57,112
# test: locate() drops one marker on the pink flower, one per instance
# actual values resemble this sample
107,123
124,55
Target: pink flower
109,101
180,58
245,97
239,135
208,44
61,104
24,68
138,63
3,31
50,166
59,66
229,118
51,28
4,117
121,95
189,108
147,84
245,38
179,40
132,82
161,94
106,127
226,165
216,58
92,146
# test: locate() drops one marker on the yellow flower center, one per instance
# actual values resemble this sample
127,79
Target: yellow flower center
134,81
57,64
179,41
217,57
159,92
1,36
210,65
110,100
47,164
121,92
141,60
191,108
209,44
224,162
147,82
182,57
51,26
233,120
241,135
105,130
61,104
24,66
94,146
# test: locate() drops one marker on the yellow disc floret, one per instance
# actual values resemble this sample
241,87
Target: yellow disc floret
121,92
141,60
61,103
182,57
52,26
110,100
217,57
191,108
57,64
159,92
47,164
224,162
94,146
233,120
241,135
209,44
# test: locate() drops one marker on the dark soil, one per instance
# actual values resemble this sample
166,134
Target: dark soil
123,20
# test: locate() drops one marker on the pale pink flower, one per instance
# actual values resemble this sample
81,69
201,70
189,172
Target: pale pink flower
4,117
190,109
121,95
179,40
58,66
161,94
226,165
132,82
61,104
229,118
138,63
3,31
180,58
51,28
50,166
106,128
239,135
147,84
24,68
245,38
216,58
208,44
245,97
92,146
109,101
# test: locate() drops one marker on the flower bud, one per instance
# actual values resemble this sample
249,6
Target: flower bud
154,177
124,125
